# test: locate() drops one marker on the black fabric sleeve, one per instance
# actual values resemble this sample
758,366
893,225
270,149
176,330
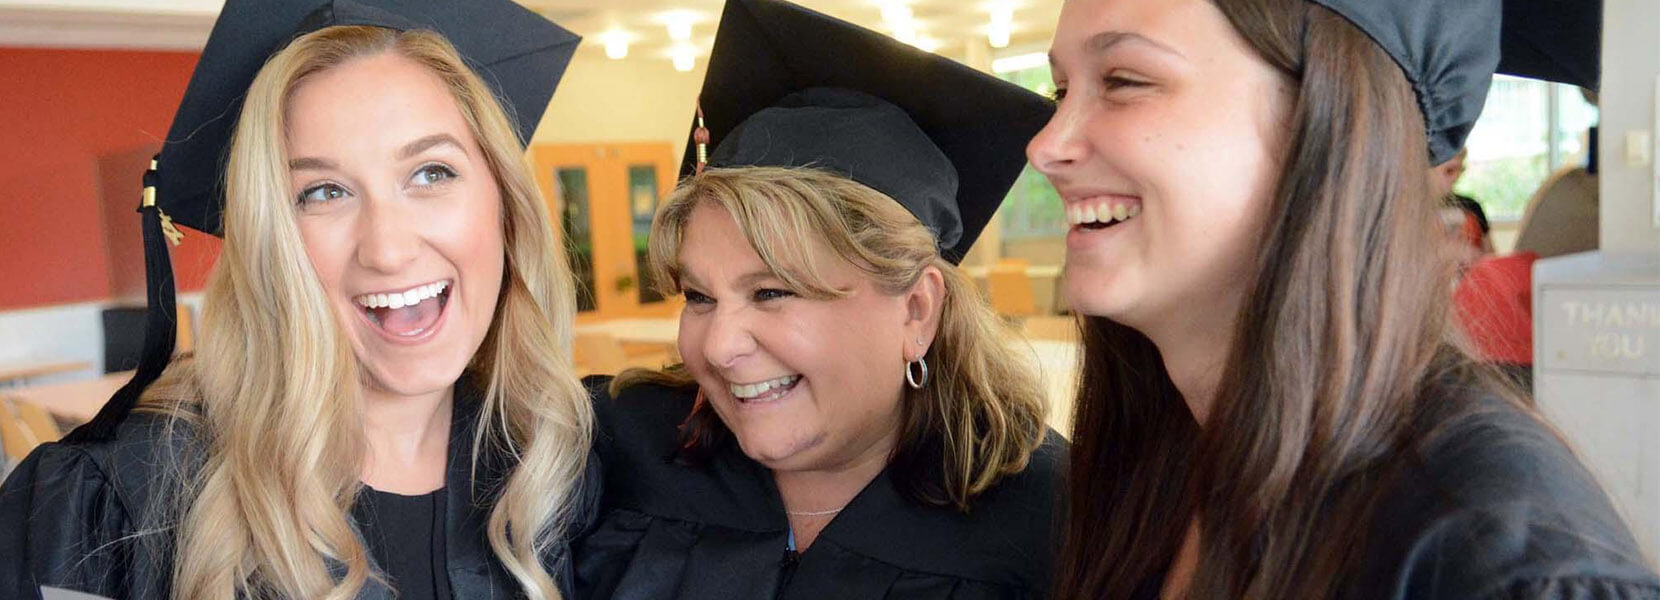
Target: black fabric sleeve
63,524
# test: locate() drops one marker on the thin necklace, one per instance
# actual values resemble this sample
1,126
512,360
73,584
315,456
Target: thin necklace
815,513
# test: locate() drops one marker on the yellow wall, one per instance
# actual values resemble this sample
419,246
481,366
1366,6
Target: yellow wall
638,99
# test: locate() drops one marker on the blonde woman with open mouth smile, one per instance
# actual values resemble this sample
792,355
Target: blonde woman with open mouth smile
383,402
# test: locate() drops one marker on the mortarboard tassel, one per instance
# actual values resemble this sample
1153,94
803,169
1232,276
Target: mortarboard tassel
700,136
160,322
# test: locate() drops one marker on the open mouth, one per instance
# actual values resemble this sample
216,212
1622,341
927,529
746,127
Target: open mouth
408,313
1098,214
765,391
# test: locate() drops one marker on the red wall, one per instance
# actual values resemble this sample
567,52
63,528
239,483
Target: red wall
61,112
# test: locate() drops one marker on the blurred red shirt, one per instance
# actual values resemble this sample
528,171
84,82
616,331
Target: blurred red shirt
1494,301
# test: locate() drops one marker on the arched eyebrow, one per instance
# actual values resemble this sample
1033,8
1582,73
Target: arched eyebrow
1104,41
426,143
310,164
410,150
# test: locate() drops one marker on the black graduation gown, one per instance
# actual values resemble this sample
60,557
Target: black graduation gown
67,510
718,531
1498,508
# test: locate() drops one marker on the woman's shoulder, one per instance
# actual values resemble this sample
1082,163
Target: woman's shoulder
1026,501
145,447
70,512
1492,503
640,418
639,402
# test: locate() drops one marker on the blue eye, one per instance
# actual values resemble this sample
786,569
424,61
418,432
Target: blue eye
763,295
323,192
697,298
432,174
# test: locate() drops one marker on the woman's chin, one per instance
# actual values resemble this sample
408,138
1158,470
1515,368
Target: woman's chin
407,380
776,452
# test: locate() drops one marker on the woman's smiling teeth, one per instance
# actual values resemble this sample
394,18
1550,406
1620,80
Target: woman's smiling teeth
408,313
409,297
1102,212
765,391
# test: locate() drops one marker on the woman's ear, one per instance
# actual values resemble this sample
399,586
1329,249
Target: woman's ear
924,303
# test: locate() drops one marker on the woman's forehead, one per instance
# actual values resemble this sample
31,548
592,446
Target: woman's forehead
713,245
1189,29
378,105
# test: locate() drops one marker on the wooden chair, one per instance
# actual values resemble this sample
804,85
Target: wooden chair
185,341
16,435
38,420
1010,289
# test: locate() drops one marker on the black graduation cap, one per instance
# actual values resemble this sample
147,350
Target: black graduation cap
1554,40
1450,49
790,87
518,53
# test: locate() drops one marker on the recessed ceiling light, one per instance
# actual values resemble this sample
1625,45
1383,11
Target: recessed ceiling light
616,44
679,24
897,14
999,34
684,57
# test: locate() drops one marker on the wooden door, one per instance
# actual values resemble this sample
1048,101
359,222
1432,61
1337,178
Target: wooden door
603,197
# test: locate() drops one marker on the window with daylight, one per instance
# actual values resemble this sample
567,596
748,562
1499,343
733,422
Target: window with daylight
1527,131
1032,209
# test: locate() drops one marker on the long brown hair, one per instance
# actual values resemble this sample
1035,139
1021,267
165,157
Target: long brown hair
1341,339
977,419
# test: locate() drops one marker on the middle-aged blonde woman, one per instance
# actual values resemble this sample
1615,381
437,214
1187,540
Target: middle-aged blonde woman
851,420
382,403
1273,404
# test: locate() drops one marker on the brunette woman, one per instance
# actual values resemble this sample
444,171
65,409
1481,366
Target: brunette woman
1272,403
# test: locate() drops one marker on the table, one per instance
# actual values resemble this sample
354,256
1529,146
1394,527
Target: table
75,402
15,373
636,331
1034,271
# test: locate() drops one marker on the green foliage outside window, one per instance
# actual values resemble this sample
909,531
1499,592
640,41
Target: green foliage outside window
1033,208
1504,186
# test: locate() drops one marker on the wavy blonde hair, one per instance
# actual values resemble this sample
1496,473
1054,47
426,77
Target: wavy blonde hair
977,419
274,390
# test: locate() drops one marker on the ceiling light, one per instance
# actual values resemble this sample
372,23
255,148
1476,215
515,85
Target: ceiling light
1001,13
679,24
998,35
896,14
1002,24
680,31
685,57
616,45
907,34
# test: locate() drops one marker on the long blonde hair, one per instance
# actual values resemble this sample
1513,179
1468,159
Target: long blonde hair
977,419
273,392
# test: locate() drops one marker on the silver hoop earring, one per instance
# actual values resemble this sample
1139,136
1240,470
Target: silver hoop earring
914,380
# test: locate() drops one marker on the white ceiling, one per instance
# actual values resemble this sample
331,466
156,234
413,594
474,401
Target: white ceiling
184,24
